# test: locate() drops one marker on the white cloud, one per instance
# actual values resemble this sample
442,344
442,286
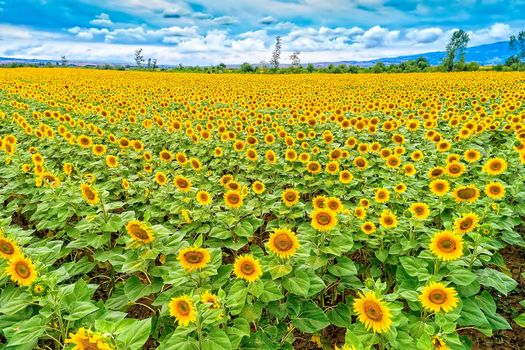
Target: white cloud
102,20
267,20
175,12
427,35
496,32
225,20
378,36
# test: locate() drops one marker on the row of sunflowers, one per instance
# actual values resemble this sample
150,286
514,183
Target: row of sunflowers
179,211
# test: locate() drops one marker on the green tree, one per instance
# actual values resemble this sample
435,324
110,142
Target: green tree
517,44
276,55
246,68
456,48
310,68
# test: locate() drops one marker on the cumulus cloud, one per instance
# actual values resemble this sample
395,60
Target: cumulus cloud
225,20
175,12
378,36
267,20
496,32
102,20
425,36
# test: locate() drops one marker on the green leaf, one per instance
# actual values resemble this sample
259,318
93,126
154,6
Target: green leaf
135,335
13,300
236,297
272,291
497,280
341,316
279,271
24,334
471,315
344,267
311,318
520,320
298,284
415,267
217,339
80,309
462,277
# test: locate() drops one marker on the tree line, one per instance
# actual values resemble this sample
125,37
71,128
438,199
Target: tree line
453,61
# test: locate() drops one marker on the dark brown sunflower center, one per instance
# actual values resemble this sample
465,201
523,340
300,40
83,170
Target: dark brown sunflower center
360,163
388,220
182,183
373,311
6,247
495,166
466,223
247,268
283,242
233,198
454,169
139,232
323,218
419,210
495,190
183,308
22,269
447,245
290,196
466,193
89,193
437,296
194,257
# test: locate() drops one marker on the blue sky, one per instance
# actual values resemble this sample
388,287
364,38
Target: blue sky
234,31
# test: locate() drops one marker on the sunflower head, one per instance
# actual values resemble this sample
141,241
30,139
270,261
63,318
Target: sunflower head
495,166
194,258
21,270
139,231
183,310
439,187
388,219
233,199
283,243
495,190
420,210
436,297
373,312
89,194
467,194
323,219
466,223
446,245
258,187
203,197
247,268
8,248
290,197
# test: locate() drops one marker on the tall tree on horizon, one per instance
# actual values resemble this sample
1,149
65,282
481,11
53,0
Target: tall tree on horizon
276,55
456,48
517,44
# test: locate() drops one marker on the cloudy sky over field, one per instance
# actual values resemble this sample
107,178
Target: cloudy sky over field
234,31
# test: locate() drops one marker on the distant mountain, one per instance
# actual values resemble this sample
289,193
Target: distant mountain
485,55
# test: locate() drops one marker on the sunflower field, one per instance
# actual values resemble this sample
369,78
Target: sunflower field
158,210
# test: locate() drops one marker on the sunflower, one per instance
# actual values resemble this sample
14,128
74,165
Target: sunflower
50,179
112,161
313,167
98,150
183,310
495,166
26,168
247,267
87,340
283,242
436,172
447,245
466,223
455,169
203,197
393,161
437,297
258,187
89,194
469,194
372,312
323,219
160,178
439,187
21,270
125,184
382,195
211,299
360,213
388,219
139,231
182,183
233,199
334,204
365,203
360,163
332,168
194,258
290,197
495,190
8,247
420,210
345,177
68,168
84,141
368,227
400,188
166,156
319,202
471,155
